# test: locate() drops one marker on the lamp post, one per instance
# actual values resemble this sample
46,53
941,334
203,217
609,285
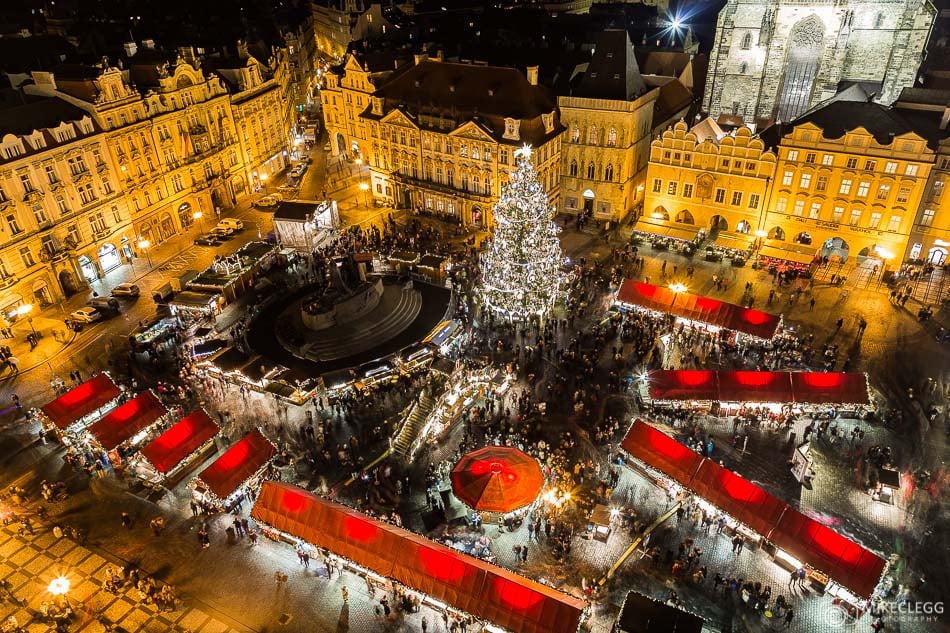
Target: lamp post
144,244
197,216
364,188
760,236
676,287
26,308
59,587
264,182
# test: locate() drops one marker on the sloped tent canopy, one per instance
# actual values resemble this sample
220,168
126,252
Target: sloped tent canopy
640,614
238,464
81,400
696,308
186,436
758,386
472,585
497,479
848,563
127,420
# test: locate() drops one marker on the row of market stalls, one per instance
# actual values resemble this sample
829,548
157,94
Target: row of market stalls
759,387
685,305
778,256
94,415
441,576
836,564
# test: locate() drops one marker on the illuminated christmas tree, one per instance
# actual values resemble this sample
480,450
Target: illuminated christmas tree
521,271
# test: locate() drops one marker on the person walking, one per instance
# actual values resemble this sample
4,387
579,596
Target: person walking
346,595
789,616
802,574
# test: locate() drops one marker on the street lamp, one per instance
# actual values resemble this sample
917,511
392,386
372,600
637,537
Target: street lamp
144,244
364,188
264,182
676,287
26,308
197,216
59,587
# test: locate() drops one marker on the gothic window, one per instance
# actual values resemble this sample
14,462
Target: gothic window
747,41
743,67
592,135
609,172
612,137
575,134
590,170
879,20
573,168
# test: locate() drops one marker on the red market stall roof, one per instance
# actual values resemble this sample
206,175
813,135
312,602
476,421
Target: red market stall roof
472,585
849,564
758,386
189,434
497,479
697,308
81,400
662,452
125,421
237,464
846,562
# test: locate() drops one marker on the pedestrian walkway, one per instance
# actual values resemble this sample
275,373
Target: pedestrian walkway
53,336
29,563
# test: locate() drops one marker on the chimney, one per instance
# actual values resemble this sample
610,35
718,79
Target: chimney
130,49
533,75
945,119
242,51
420,57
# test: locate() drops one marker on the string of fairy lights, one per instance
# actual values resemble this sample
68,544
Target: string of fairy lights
521,270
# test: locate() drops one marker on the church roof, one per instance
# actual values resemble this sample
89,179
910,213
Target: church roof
613,72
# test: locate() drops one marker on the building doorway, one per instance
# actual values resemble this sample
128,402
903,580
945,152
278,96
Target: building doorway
743,227
937,256
41,293
588,202
68,283
660,213
835,249
340,145
109,258
685,217
88,267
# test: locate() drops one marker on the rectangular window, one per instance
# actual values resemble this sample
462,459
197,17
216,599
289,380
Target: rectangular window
814,211
793,154
827,159
810,157
27,256
781,204
937,189
903,194
27,183
805,181
845,187
875,220
40,215
736,198
787,178
688,190
894,224
725,163
720,196
657,185
14,224
753,201
855,217
72,231
836,214
852,163
890,168
926,219
863,188
910,170
870,165
503,157
63,206
799,209
671,188
883,192
51,174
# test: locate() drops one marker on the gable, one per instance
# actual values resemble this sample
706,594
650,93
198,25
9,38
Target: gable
400,118
472,130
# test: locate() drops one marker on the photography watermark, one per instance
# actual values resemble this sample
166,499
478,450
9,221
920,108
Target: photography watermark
838,616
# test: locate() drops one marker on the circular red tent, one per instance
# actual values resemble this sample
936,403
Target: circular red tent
497,479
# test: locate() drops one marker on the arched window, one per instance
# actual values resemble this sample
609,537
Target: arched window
575,134
743,67
590,171
612,137
574,168
592,136
747,41
878,20
609,172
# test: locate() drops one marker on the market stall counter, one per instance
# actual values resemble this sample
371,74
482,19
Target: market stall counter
733,247
777,256
177,447
127,424
222,483
80,405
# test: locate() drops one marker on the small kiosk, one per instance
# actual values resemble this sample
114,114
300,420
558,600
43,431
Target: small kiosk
78,407
792,258
127,425
180,446
225,482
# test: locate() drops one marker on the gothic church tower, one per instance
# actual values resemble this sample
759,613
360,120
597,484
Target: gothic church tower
774,59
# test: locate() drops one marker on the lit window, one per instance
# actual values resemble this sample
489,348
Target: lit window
814,211
875,220
787,178
894,224
863,188
927,218
781,204
799,209
805,181
827,159
855,217
836,214
845,187
890,168
910,170
793,154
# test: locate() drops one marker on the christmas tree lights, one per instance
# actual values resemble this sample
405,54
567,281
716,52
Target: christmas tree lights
521,271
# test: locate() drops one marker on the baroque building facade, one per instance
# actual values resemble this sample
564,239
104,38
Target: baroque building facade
706,178
775,59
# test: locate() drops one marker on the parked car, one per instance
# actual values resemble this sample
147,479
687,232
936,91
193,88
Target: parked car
231,223
208,240
104,303
267,202
223,232
85,315
126,290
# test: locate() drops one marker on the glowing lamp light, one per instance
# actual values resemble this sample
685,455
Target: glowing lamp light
657,215
675,23
761,233
197,215
364,186
59,586
678,287
144,243
26,308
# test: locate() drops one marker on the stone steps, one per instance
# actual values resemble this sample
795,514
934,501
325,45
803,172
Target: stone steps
416,418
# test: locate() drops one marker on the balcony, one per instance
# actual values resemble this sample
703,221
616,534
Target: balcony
7,281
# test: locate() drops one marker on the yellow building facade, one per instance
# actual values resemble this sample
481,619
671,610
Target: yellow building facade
930,235
705,178
849,180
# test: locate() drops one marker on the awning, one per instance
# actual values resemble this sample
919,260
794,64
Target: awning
662,452
486,591
189,434
821,548
127,420
686,233
696,308
82,400
238,464
798,253
758,386
497,479
846,562
10,299
729,239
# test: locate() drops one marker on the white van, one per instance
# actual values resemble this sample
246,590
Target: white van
231,223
